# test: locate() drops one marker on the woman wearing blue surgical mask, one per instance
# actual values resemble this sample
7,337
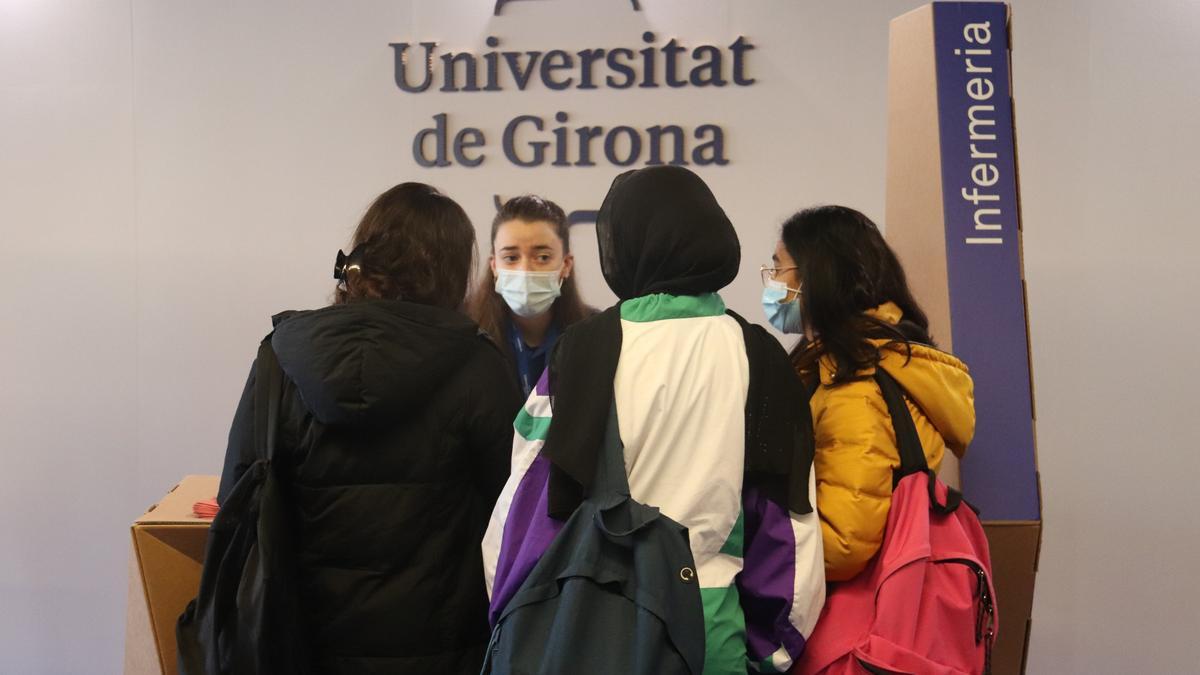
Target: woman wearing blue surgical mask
834,279
528,295
781,292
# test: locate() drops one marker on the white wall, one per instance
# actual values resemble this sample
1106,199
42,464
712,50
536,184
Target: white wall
171,173
69,349
1108,117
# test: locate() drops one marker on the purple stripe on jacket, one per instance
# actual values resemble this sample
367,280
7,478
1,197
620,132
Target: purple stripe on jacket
542,388
528,531
767,581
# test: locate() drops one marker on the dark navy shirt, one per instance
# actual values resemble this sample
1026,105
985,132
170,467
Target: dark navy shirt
531,361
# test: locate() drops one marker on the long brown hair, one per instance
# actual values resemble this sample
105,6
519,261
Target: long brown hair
488,308
845,269
415,244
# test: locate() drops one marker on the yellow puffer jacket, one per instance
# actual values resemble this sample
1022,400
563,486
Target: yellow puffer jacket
856,445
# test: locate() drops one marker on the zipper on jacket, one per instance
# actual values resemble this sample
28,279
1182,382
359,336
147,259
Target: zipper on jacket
985,616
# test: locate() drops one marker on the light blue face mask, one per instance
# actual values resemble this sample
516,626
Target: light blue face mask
529,293
784,316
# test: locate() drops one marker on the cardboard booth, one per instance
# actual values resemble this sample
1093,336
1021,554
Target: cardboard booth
164,574
953,217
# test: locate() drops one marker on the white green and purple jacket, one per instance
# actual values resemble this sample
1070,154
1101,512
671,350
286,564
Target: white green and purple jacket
680,391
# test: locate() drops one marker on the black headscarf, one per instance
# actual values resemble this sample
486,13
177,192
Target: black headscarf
661,230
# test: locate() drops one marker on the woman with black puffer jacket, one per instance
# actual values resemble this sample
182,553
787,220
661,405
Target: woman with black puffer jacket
394,439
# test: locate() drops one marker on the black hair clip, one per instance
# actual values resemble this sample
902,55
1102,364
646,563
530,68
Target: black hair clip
345,262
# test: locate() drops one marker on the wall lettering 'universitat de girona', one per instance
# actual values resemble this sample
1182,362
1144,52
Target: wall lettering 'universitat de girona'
555,139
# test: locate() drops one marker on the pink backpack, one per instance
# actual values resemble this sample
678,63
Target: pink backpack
925,604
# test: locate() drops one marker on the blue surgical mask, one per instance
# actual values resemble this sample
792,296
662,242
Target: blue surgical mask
784,316
529,293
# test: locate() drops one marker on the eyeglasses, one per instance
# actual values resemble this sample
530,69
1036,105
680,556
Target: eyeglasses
769,273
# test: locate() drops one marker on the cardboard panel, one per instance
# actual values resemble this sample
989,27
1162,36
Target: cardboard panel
176,507
913,215
141,652
914,220
167,557
1014,547
171,578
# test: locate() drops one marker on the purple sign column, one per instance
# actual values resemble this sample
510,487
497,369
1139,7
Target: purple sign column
983,251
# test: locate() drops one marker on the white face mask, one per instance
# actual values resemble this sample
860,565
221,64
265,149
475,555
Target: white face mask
529,293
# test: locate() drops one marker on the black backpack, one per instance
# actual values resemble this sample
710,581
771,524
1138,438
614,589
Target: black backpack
616,591
245,620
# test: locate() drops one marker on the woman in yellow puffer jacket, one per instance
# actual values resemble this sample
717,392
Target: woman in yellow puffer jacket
834,279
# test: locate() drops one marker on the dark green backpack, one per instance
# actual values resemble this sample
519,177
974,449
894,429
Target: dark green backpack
616,591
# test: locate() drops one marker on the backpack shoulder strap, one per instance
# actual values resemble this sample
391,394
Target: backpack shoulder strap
611,478
267,394
912,453
780,445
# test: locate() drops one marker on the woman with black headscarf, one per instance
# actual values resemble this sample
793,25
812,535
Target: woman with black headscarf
706,408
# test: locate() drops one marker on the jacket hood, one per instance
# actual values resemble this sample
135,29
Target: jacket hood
937,382
362,362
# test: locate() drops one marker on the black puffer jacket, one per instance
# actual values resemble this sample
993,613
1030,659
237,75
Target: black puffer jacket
396,433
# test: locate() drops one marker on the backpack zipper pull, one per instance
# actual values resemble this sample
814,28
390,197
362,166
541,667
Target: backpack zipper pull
985,621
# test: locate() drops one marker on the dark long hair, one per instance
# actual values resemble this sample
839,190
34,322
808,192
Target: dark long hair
417,244
845,269
488,308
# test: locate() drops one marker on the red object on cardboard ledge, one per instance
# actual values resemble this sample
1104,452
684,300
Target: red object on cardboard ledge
206,508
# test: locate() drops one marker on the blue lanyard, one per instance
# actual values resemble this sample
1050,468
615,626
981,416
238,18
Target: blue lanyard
525,355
